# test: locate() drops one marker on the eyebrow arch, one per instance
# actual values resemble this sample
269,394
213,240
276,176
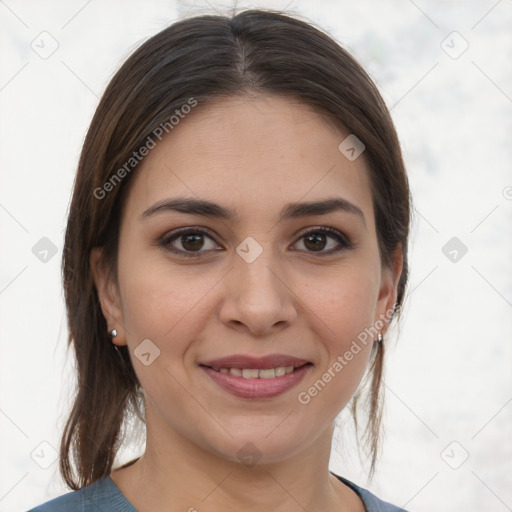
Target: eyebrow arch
290,210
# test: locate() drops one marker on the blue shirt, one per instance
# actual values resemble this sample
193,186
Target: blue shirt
105,496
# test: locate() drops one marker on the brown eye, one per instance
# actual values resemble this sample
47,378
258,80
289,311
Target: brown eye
317,240
188,242
192,242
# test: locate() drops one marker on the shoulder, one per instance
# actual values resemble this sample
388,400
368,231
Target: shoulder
102,495
371,502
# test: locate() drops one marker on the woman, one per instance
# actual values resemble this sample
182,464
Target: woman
236,249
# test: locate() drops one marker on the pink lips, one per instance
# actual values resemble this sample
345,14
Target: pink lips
256,387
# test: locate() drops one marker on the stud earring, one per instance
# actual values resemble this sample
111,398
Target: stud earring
113,333
380,338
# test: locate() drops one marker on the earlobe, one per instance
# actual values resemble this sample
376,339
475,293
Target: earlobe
108,295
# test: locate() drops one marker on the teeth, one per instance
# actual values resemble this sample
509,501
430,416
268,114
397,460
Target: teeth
267,374
279,372
251,373
255,373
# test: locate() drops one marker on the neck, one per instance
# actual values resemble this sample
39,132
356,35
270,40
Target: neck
193,478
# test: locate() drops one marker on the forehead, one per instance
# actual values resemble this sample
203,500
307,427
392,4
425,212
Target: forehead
252,154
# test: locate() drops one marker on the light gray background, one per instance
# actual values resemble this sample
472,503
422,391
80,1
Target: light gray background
448,377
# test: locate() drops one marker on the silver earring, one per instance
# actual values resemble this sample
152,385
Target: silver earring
113,333
380,338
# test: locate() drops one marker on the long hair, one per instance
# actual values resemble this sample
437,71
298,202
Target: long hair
203,58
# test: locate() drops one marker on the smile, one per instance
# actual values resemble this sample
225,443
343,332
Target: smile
256,383
255,373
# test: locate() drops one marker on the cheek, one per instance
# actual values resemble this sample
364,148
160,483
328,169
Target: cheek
341,309
166,306
160,303
343,303
163,303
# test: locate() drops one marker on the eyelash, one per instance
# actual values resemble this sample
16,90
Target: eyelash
166,241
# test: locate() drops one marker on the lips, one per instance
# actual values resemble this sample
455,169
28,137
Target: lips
244,361
256,388
256,377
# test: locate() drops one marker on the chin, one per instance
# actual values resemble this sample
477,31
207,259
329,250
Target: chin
259,445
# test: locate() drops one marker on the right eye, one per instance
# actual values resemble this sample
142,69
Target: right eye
191,241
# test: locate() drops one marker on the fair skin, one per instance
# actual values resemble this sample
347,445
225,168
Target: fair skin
253,155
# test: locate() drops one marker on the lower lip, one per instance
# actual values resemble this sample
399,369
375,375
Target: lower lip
257,388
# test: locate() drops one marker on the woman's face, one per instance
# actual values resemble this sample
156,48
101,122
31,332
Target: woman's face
263,282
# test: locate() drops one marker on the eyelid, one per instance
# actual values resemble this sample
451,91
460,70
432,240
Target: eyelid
342,239
334,232
166,240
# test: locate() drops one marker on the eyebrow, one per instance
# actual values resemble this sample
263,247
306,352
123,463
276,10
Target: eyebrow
289,211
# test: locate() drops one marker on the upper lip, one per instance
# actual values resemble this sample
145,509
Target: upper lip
245,361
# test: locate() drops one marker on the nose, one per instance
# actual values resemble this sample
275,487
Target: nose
258,297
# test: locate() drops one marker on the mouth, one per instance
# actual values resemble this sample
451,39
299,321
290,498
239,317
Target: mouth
258,373
249,377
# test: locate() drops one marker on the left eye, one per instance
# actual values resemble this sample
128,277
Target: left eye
317,239
192,241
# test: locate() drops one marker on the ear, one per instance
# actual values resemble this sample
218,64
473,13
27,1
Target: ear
108,294
389,289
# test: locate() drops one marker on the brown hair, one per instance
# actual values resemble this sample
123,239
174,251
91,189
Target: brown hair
204,57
